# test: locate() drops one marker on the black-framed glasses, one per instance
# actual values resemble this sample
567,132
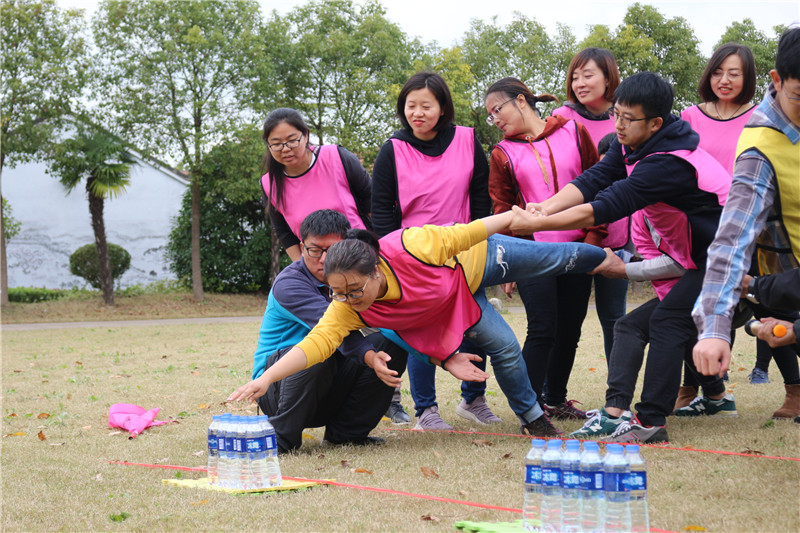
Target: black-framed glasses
496,111
315,251
626,122
352,295
278,147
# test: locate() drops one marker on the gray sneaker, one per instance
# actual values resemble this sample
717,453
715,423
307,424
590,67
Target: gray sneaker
477,411
634,432
397,414
430,419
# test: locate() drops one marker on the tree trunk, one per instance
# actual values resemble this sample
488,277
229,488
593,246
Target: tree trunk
3,262
197,276
96,204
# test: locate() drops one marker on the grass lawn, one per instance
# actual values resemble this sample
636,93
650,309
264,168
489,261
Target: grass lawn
57,386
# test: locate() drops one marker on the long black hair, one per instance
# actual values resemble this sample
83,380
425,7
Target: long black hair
276,170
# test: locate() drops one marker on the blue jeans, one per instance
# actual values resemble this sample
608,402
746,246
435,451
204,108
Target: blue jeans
422,377
509,259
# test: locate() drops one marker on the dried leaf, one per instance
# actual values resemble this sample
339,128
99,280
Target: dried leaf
18,371
43,415
732,386
87,428
195,373
78,363
309,436
45,381
69,396
749,451
17,434
694,528
114,433
436,454
592,369
203,406
463,493
321,456
98,477
360,471
163,357
430,517
740,369
41,436
509,455
12,415
201,502
345,464
56,443
201,453
482,442
429,472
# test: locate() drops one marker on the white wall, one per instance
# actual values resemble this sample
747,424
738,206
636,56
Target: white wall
55,224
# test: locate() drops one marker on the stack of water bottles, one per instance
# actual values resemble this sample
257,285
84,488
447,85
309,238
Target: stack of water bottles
582,491
243,452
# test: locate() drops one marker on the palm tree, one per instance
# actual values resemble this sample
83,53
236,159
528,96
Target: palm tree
105,163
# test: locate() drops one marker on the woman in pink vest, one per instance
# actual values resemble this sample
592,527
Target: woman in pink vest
302,178
592,78
432,172
535,159
727,88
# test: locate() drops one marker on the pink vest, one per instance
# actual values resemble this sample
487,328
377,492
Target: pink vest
617,231
323,186
435,190
649,242
717,137
435,307
538,179
670,223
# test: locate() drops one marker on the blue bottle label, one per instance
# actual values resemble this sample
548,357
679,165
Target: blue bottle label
239,444
257,445
592,480
272,443
636,481
551,477
571,479
221,443
533,474
614,481
212,441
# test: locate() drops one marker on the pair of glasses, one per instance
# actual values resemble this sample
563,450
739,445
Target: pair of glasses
278,147
353,295
625,121
493,115
315,251
733,75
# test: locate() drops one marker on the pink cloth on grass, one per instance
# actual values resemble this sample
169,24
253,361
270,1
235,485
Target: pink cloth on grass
133,418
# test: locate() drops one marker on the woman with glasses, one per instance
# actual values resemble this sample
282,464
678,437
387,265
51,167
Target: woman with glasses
592,78
428,285
535,159
431,172
302,178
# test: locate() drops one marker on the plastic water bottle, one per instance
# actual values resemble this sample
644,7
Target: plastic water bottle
551,486
637,489
571,487
225,448
532,506
592,497
256,453
213,450
240,449
272,473
615,472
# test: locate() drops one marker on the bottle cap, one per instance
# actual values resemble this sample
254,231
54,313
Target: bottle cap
553,444
537,443
591,445
632,448
573,445
614,448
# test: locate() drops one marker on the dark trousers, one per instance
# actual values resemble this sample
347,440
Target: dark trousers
555,308
668,327
340,393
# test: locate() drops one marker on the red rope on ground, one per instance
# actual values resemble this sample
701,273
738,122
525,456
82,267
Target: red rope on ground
359,487
658,446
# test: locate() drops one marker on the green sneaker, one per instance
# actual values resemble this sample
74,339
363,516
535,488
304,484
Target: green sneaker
600,423
705,406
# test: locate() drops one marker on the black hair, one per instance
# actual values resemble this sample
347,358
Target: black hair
435,84
649,90
748,73
275,169
358,253
513,87
787,62
605,143
605,61
324,222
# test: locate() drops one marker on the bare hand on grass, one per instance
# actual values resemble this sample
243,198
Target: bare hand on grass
251,391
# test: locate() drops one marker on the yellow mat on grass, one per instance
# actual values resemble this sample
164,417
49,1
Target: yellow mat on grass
205,483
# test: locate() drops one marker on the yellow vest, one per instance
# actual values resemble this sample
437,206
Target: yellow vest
778,246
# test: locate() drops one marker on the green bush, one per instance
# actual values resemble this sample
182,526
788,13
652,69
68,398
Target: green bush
28,295
84,263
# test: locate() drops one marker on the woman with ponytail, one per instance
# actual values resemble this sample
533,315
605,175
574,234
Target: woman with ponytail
535,159
428,285
301,178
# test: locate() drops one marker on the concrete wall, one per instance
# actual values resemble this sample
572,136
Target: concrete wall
55,224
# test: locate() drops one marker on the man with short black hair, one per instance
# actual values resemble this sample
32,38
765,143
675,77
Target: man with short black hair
343,393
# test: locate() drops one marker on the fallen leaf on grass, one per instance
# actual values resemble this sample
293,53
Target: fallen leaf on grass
345,464
98,477
195,373
18,371
429,472
694,528
41,436
436,454
199,454
309,436
163,357
114,433
740,369
430,518
321,456
87,428
592,369
43,415
203,406
201,502
360,471
12,415
56,443
78,363
482,442
509,455
462,493
748,451
732,386
16,434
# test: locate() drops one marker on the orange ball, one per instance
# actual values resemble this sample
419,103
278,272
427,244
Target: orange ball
779,330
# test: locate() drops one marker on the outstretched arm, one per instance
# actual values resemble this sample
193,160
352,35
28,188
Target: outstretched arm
293,362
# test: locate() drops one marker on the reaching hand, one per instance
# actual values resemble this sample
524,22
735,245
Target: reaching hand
767,332
611,267
460,365
508,288
524,222
377,362
252,391
712,356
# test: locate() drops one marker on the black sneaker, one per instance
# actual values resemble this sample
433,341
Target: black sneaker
541,427
359,441
397,414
